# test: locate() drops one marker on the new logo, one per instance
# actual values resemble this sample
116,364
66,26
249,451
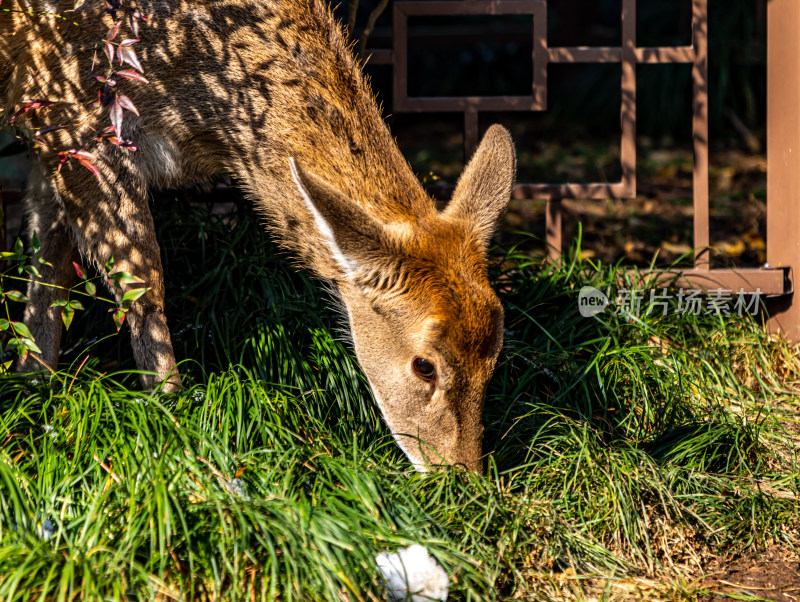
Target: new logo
591,301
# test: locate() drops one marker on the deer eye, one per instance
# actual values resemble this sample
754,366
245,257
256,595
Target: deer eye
424,369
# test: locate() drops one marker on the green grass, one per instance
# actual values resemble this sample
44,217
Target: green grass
624,453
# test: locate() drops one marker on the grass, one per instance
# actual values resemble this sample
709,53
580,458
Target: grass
624,453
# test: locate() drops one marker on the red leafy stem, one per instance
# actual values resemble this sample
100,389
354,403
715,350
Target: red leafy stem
29,105
120,102
107,96
112,6
123,52
51,128
110,134
83,157
131,74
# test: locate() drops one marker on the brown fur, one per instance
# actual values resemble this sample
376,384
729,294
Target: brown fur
269,92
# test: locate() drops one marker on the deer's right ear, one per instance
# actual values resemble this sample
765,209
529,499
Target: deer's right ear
353,237
484,189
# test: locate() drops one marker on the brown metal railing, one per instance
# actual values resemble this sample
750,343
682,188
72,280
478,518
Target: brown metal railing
774,279
783,154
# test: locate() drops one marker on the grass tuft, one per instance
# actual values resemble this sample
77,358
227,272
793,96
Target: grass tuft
625,453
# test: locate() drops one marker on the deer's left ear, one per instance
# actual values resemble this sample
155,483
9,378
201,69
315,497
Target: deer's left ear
352,236
484,189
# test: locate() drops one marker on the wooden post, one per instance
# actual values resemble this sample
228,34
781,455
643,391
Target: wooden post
783,154
700,134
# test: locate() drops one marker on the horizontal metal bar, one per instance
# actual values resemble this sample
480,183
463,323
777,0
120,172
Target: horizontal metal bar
611,54
470,7
449,104
553,192
667,54
584,54
614,190
766,281
380,56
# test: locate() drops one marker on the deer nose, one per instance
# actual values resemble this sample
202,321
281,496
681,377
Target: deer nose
470,452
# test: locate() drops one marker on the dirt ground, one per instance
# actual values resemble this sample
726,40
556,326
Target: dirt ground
773,575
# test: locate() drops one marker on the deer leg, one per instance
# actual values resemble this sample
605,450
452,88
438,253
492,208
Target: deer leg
48,222
119,224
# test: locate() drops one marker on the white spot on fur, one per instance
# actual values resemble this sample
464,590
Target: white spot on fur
48,7
348,265
413,574
158,158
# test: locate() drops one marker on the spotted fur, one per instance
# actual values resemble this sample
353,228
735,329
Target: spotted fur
269,92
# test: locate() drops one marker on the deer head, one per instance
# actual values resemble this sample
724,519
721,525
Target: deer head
426,325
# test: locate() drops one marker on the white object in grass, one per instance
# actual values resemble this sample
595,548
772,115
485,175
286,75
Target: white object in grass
413,574
237,487
51,431
46,529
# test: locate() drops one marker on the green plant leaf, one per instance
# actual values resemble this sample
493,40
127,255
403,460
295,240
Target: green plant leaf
22,345
4,324
17,296
17,347
119,318
20,329
133,294
90,288
32,271
125,278
67,313
30,345
79,270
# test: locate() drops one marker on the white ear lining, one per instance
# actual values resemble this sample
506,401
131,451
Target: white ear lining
346,263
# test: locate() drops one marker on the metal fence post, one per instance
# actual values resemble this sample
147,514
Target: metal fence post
783,154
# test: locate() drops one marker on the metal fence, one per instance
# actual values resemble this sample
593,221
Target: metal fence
774,279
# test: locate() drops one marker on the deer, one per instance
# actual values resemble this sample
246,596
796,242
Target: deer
270,92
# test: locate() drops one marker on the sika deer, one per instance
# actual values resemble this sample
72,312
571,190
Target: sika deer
269,92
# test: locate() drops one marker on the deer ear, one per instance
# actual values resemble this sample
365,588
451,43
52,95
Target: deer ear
352,235
484,189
